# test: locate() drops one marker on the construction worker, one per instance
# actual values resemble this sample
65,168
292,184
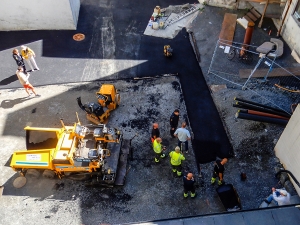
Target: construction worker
174,118
158,149
219,171
188,185
183,136
155,132
176,158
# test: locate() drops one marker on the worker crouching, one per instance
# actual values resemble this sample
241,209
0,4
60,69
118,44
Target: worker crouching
176,158
158,149
168,51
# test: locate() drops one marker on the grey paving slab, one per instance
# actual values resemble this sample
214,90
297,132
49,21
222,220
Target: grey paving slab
232,219
257,217
283,216
209,220
274,216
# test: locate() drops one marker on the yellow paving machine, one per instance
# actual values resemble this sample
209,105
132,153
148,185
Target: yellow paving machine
79,152
108,100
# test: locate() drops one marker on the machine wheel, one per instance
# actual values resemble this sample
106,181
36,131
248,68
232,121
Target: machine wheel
32,173
49,174
117,100
67,173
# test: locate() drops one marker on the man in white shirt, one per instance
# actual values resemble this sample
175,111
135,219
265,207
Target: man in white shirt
279,196
183,136
23,78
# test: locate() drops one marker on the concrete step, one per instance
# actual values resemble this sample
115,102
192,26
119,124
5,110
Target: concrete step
295,199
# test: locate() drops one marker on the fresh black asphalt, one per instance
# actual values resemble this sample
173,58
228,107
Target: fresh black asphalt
63,59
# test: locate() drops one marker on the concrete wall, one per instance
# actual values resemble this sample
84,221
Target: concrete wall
75,6
290,30
39,14
230,4
287,147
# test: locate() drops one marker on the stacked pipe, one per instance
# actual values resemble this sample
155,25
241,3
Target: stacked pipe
259,112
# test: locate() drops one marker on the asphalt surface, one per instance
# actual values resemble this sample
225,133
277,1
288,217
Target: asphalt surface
114,48
150,191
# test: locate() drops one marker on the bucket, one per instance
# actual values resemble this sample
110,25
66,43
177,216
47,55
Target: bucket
161,25
155,26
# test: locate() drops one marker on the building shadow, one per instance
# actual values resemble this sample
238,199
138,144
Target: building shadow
10,103
9,80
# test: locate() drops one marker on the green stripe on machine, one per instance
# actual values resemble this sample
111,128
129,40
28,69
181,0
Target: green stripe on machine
32,163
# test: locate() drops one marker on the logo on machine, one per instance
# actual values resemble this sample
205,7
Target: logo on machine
33,157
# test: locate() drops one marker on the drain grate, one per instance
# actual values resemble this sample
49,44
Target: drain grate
78,37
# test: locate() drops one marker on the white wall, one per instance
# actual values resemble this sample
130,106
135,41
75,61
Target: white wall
287,148
75,6
290,30
39,14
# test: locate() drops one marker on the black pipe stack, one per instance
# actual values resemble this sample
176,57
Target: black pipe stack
268,114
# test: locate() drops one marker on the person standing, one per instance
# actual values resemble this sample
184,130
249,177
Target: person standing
19,59
174,118
29,55
23,78
176,158
155,132
158,149
219,171
183,136
279,196
189,185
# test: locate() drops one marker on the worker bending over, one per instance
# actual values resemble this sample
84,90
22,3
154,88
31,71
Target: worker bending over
219,171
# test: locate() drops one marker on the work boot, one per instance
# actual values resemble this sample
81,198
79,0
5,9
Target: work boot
213,180
193,195
163,156
220,182
185,195
174,170
156,160
179,174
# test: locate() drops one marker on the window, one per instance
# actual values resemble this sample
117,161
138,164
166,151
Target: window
297,13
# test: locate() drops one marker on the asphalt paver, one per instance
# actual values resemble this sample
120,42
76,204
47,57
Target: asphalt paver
115,48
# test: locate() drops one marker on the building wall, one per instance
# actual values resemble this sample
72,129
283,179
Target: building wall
39,14
287,147
290,30
75,6
230,4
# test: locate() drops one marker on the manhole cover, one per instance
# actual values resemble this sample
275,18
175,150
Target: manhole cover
19,182
78,37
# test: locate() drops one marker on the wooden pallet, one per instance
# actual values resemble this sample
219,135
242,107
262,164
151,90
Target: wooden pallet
276,72
228,28
252,15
